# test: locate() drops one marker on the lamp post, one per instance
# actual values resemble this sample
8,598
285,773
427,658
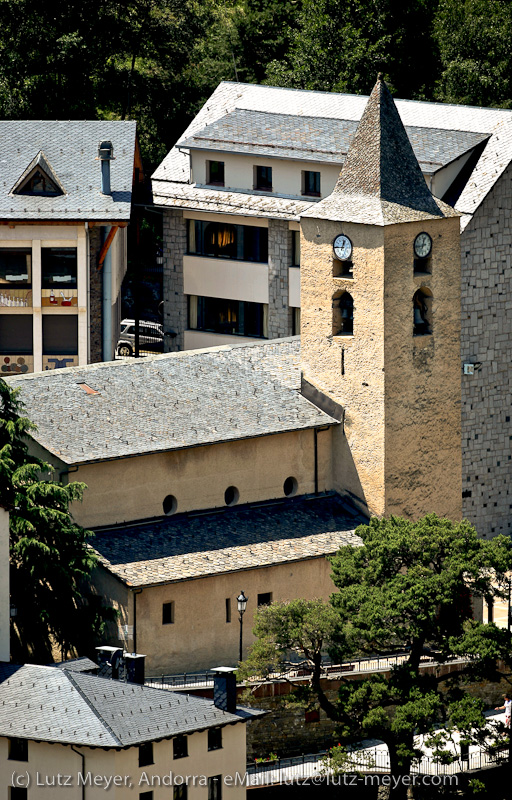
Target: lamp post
242,605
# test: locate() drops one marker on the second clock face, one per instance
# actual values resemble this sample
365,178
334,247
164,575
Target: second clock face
342,247
422,245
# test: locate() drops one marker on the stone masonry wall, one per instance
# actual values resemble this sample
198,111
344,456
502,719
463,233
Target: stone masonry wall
487,340
96,285
175,302
279,259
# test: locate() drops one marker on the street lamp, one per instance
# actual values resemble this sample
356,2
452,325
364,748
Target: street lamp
242,605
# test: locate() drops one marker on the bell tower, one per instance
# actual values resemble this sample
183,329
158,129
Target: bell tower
380,323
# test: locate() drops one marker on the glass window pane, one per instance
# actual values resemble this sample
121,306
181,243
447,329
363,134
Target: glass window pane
15,265
58,267
60,335
16,334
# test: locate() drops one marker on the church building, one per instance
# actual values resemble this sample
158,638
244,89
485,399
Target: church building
244,466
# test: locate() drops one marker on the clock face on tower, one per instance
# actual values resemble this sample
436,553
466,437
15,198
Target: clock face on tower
342,247
422,245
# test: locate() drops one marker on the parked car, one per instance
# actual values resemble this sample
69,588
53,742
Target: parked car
151,337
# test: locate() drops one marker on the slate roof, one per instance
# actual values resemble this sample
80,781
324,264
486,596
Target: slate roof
381,181
318,139
173,174
57,705
82,664
70,149
197,545
169,402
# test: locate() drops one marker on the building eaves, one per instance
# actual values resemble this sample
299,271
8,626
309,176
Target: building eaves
191,546
169,402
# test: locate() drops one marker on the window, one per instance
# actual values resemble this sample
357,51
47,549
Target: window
15,267
290,486
228,609
343,314
17,793
180,792
170,505
223,240
168,613
295,321
145,795
215,173
16,334
215,787
422,312
295,248
180,746
490,610
58,267
146,754
263,178
231,496
215,739
60,335
39,184
264,599
18,749
311,183
233,317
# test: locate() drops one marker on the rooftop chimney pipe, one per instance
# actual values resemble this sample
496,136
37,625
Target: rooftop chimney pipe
109,661
224,688
134,667
105,155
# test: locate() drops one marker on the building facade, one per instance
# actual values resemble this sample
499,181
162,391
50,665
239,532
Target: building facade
64,209
262,156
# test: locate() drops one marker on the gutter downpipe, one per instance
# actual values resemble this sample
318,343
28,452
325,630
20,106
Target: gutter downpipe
83,769
135,593
107,299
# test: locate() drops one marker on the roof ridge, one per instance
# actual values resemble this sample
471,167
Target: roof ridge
70,676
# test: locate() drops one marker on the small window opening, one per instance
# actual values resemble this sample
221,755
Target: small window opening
215,787
146,754
215,739
422,266
215,173
168,613
263,178
342,269
228,609
170,505
290,486
343,314
295,248
490,610
18,749
264,599
422,312
311,183
231,496
180,746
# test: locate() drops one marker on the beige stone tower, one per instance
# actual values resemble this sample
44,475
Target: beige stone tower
380,331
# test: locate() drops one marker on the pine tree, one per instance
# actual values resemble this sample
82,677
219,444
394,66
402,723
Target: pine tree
51,558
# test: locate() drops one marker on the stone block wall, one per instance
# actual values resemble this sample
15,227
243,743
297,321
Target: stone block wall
279,259
175,302
487,342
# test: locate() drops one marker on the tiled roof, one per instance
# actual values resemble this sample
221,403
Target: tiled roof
259,535
169,402
82,664
381,181
318,139
70,148
224,201
175,168
56,705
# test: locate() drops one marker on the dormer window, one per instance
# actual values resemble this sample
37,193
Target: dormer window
263,178
215,173
38,180
310,183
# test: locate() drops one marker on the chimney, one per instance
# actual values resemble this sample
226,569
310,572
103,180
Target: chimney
134,667
224,688
105,155
109,661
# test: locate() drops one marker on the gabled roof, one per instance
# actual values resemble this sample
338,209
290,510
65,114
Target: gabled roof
258,535
318,139
61,706
381,181
169,402
39,163
67,150
172,177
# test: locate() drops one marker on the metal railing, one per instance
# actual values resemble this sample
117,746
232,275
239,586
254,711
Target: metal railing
300,768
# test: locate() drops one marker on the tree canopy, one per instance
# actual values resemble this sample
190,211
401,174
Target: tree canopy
408,589
50,557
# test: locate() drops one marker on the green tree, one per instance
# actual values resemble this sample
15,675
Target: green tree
473,39
341,47
407,589
51,559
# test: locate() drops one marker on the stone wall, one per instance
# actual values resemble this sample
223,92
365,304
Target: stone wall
279,259
175,302
487,341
